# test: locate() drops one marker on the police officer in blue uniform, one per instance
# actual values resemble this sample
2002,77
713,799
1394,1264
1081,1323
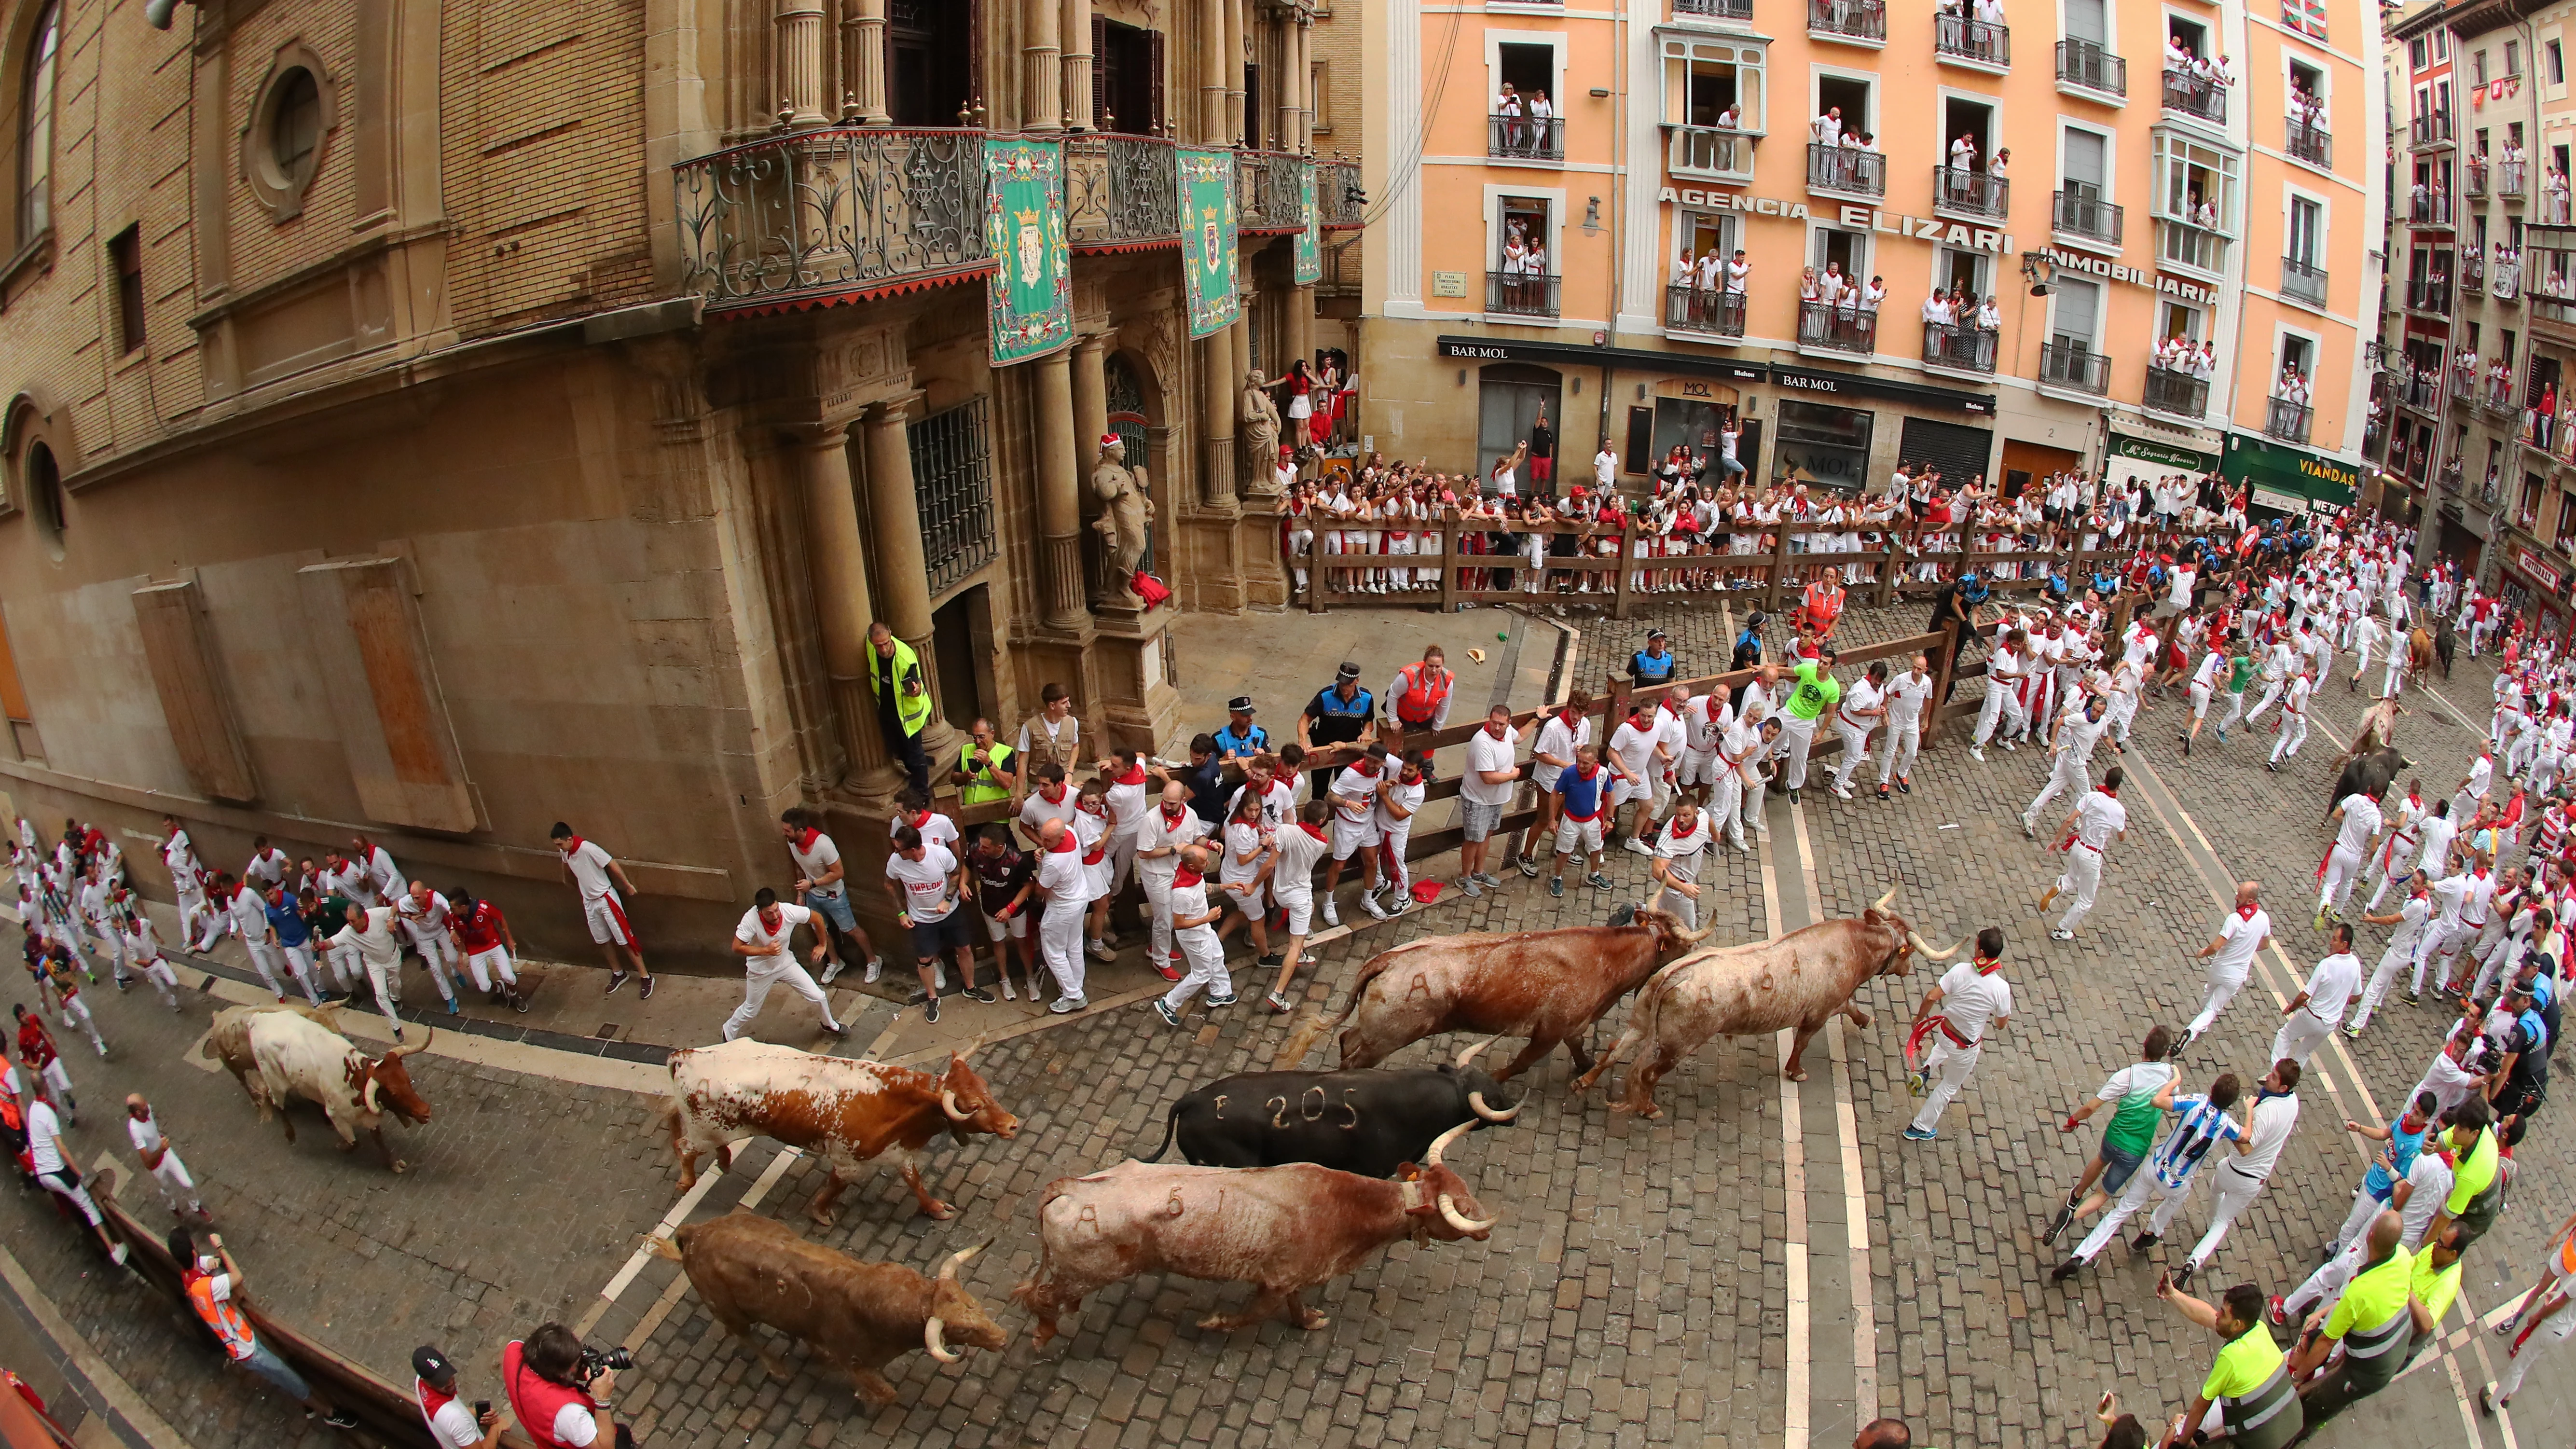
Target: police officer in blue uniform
1340,714
1653,665
1241,739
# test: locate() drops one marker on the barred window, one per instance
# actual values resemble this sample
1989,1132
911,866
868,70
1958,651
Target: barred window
952,481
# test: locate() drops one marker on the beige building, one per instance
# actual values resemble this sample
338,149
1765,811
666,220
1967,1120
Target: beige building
2194,171
439,421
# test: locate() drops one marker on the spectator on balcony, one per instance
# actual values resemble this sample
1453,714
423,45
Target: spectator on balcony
1873,294
1960,184
1738,272
2544,418
1937,311
2510,166
1542,121
2554,197
1809,290
1996,165
1732,118
1507,119
2419,200
2203,362
1827,130
1988,12
1990,318
2178,56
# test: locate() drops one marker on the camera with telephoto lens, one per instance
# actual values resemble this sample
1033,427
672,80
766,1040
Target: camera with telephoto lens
597,1361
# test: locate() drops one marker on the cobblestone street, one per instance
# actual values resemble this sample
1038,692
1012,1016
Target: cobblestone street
1687,1280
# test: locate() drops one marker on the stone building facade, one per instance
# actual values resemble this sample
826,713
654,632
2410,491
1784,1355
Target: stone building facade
437,421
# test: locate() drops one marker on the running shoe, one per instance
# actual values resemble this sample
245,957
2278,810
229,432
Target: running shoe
876,968
1917,1134
645,991
615,980
1597,881
979,993
1213,1002
2058,1224
1977,753
1332,917
1065,1005
2061,934
1634,846
1555,885
2275,1310
1905,783
1467,885
1164,1010
1529,867
1369,904
2182,1275
930,1010
1169,972
2144,1241
2066,1270
1278,1003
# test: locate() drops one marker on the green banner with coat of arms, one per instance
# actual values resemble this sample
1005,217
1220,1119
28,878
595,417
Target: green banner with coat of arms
1310,241
1208,239
1030,294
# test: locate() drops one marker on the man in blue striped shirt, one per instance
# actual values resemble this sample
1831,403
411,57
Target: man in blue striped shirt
2201,1123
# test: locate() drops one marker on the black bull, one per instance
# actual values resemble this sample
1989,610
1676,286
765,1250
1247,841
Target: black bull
1369,1121
2370,775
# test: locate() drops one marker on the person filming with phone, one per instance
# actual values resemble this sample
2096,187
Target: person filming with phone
452,1425
559,1390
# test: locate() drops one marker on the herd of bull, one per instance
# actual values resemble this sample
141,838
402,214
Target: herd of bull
1294,1178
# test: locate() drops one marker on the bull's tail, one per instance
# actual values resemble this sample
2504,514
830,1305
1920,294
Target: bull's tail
207,1050
1316,1025
662,1247
1640,1027
1171,1129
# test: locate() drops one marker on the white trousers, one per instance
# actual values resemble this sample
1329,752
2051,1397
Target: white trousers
1158,904
346,966
178,1189
166,981
2389,862
263,957
2375,990
439,955
1948,1066
2440,939
2299,1035
780,970
1122,859
1060,944
2327,1283
76,1012
2222,989
2233,710
387,980
1391,847
1990,714
2234,1192
1797,736
1897,747
2142,1186
1726,808
1679,906
2271,696
1855,750
2342,865
2082,879
2121,713
299,965
487,964
1206,955
2550,1334
2294,733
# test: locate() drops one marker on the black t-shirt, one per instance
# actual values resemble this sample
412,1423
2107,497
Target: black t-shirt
1208,791
1542,441
999,878
1947,605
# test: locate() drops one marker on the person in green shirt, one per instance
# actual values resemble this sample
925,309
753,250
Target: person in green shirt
1815,690
2476,1193
327,915
2240,673
987,772
2247,1395
2374,1322
2131,1092
2437,1280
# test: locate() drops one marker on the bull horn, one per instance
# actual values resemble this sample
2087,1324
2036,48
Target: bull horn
404,1051
934,1338
959,1259
1469,1054
1460,1221
1919,944
948,1104
1477,1101
368,1096
1440,1144
1693,938
1881,903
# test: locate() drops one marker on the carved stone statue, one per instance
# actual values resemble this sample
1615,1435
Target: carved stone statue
1126,515
1259,418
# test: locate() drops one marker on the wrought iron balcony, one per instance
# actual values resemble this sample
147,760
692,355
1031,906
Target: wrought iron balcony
1859,21
2476,171
2087,66
2463,388
2303,281
1708,313
837,211
2511,179
1958,39
1837,328
2429,294
2185,245
2194,96
1338,196
2310,143
2080,213
1709,151
2473,271
2500,400
1525,138
1846,169
1120,190
2175,392
2070,364
2287,420
1269,191
2433,128
1715,9
1970,193
2431,209
1519,294
1964,349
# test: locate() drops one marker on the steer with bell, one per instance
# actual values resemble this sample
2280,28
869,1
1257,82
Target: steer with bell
1796,982
1282,1229
749,1269
1369,1122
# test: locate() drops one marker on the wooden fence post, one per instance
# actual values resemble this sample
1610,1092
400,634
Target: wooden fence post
1779,566
1627,540
1449,569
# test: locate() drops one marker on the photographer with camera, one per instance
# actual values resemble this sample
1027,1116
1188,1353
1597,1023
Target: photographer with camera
559,1389
451,1424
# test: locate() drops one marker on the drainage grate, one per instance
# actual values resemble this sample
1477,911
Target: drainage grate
607,1031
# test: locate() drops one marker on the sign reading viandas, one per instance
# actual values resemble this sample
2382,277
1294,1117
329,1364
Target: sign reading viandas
2292,480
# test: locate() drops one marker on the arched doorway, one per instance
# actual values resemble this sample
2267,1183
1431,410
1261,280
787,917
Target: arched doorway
1511,398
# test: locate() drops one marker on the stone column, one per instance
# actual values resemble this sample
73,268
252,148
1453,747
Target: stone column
1305,143
1091,400
903,567
1060,453
835,550
798,63
1291,100
863,87
1220,383
1301,335
1236,28
1042,66
1214,61
1078,61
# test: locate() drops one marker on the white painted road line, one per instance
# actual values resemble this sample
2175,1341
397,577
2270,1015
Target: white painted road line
1856,1214
1797,1358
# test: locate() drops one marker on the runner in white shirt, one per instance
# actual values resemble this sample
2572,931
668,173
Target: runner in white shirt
1354,806
1561,732
1638,746
250,918
2477,888
2395,857
268,864
1972,1000
2361,820
144,949
762,940
1283,862
2239,1178
1398,802
2230,954
2097,820
45,1152
598,877
1704,722
2318,1009
370,933
1680,847
1166,828
1861,710
1194,927
178,1189
2413,920
2293,722
1067,888
1904,700
927,885
822,885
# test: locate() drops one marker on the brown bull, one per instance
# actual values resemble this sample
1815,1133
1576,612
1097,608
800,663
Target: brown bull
1796,982
1548,986
1282,1229
750,1269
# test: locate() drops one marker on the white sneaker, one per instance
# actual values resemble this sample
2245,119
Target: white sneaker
1977,753
1009,993
1100,951
939,975
876,968
1066,1005
829,972
1843,790
1332,916
1634,846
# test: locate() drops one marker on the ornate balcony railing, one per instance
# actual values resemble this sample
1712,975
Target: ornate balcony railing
1120,190
831,211
1978,42
2431,209
1709,313
1857,20
1520,294
2429,294
1709,151
2303,281
1525,138
1267,191
1838,328
2287,420
2417,394
2073,365
1338,195
2172,390
1970,193
2195,96
2510,179
2083,214
1715,9
2464,388
2433,128
1846,169
2309,142
2476,173
2087,66
1966,349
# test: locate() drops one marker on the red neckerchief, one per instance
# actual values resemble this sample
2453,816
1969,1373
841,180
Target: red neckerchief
2107,790
805,839
1135,775
1185,877
1984,967
2246,913
1172,815
1310,830
1582,774
1065,843
576,846
1055,799
922,819
1680,831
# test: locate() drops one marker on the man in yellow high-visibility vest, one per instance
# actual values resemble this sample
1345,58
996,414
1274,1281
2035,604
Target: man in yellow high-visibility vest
903,701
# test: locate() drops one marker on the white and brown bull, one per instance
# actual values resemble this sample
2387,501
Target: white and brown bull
1282,1229
1547,986
845,1112
1796,983
294,1053
749,1269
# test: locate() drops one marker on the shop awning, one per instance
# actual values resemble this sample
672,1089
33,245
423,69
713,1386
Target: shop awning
2292,480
